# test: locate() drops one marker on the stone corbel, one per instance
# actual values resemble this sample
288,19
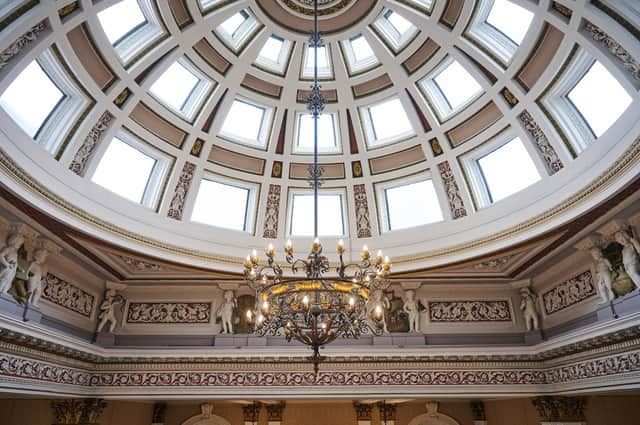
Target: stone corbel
363,413
274,413
558,410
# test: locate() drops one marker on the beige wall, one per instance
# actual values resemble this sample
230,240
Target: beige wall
609,410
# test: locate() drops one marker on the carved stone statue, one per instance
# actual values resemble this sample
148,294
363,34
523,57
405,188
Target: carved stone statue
35,273
225,312
411,306
108,310
9,261
529,310
630,252
379,300
604,278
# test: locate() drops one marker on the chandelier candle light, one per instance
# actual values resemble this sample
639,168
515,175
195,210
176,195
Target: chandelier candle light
315,309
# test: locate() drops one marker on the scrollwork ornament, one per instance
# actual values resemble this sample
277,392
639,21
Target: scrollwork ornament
22,41
628,61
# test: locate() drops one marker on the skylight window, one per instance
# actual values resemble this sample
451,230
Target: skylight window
271,49
450,88
510,19
395,30
18,99
400,24
232,25
386,122
324,63
507,170
236,212
125,171
330,215
359,54
361,49
327,133
121,19
274,54
423,5
237,30
600,98
410,205
247,123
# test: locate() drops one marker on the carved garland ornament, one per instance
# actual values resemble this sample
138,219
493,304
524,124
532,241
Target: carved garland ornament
453,192
469,311
271,213
140,265
191,313
549,154
96,133
176,207
363,220
64,294
22,41
628,61
495,263
568,293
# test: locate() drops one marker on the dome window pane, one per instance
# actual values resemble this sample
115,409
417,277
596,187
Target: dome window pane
327,133
125,171
247,123
359,54
232,25
121,19
410,204
17,100
510,19
324,63
361,49
237,30
331,220
386,122
457,85
507,170
274,55
600,98
395,30
271,49
235,214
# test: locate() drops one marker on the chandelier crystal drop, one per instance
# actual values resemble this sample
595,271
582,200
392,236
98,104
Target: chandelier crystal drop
307,305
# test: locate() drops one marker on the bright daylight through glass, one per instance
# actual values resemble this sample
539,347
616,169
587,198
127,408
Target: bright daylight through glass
389,120
412,205
221,205
174,86
457,85
120,19
326,133
245,121
329,215
510,19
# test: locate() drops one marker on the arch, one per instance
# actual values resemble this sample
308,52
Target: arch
206,417
432,417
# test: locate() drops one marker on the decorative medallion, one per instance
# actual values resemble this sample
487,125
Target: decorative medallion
628,61
568,293
363,222
22,41
95,135
356,169
122,97
325,7
196,149
67,295
549,154
177,313
67,10
276,169
435,147
453,192
562,9
176,207
271,213
509,97
469,311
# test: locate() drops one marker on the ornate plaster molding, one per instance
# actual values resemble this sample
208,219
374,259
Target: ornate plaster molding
456,204
548,153
23,41
568,293
272,212
470,311
163,312
363,219
619,52
60,292
176,206
81,159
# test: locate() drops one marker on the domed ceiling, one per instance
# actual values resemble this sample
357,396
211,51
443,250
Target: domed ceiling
453,128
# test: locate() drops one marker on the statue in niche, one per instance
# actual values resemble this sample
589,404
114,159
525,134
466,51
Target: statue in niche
604,275
412,307
529,310
379,301
9,261
35,273
630,252
108,310
225,312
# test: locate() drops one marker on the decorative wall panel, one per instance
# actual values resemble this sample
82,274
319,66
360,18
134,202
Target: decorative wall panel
81,159
548,153
363,220
456,204
67,295
169,312
23,41
568,293
470,311
271,212
176,208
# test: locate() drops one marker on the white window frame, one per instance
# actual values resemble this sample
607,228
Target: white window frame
157,177
198,95
238,40
354,66
383,205
321,150
390,34
265,126
252,201
323,73
424,6
309,192
140,37
475,178
280,66
437,99
369,130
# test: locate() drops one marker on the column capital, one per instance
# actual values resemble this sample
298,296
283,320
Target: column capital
363,411
560,409
251,412
77,412
275,411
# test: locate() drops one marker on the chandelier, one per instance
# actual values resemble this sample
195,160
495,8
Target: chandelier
307,305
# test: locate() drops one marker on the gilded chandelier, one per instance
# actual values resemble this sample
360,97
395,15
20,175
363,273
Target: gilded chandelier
315,309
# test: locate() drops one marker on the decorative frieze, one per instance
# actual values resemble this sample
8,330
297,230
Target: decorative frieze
176,207
67,295
363,220
140,265
470,311
81,159
494,263
24,40
568,293
549,154
272,212
456,204
163,312
628,61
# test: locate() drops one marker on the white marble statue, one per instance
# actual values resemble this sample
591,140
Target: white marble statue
108,310
379,302
604,278
9,261
35,273
630,252
529,310
225,312
411,306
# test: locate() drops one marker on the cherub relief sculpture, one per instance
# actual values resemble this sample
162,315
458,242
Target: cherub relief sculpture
630,252
35,273
108,310
9,261
225,312
529,310
411,306
604,275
